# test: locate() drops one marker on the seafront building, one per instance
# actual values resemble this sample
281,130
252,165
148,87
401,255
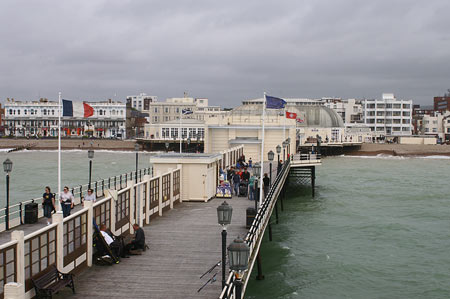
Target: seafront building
142,101
388,116
437,124
40,119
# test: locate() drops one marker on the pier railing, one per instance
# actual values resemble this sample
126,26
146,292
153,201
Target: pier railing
17,211
67,242
255,234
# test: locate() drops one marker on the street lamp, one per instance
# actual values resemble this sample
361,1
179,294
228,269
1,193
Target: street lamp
7,167
257,172
224,213
288,143
278,152
90,156
167,146
136,149
271,156
238,253
284,150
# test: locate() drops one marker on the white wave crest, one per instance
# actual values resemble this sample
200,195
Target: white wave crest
379,156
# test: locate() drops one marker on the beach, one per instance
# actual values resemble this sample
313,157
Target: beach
373,149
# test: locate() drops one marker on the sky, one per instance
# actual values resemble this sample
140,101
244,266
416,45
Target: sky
227,51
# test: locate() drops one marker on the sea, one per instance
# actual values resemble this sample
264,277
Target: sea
378,227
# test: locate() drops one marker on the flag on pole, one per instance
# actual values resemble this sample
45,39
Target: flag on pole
76,109
186,111
291,115
274,103
299,120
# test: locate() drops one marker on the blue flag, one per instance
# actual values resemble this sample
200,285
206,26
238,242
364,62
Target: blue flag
274,103
186,111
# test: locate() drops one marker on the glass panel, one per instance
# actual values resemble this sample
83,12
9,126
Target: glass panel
10,255
52,258
51,246
34,243
35,268
27,248
35,256
44,263
51,235
44,239
44,250
27,273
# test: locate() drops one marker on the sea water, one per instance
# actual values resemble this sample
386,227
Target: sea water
33,170
378,227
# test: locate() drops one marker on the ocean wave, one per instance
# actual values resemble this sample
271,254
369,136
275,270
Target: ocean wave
435,157
5,150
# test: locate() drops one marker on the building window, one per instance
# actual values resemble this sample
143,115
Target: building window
184,133
155,110
165,133
174,132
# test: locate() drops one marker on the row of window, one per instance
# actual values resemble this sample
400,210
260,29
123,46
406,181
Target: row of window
65,123
185,133
388,113
44,111
388,106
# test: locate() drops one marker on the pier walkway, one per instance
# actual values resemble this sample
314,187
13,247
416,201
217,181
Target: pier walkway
184,244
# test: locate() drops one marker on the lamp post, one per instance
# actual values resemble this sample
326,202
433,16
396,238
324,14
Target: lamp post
167,146
284,150
238,253
7,167
224,213
90,156
136,149
278,152
257,172
288,143
271,156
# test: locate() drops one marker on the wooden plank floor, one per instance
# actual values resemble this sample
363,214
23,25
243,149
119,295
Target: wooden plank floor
184,244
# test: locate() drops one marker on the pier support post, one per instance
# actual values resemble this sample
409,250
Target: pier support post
313,179
276,211
18,235
270,231
260,276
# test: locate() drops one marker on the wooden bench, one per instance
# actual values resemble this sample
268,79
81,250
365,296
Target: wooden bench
51,282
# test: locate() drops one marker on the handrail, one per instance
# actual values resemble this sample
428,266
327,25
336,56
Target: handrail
17,209
256,231
8,244
39,231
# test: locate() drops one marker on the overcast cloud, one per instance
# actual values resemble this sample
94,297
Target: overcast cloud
226,51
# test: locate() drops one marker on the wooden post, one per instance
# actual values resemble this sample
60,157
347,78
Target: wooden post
90,215
58,218
260,276
276,212
313,179
18,235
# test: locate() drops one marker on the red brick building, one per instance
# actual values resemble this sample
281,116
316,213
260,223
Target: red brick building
442,103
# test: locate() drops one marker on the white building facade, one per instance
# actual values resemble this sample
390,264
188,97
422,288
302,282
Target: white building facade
388,116
40,119
141,101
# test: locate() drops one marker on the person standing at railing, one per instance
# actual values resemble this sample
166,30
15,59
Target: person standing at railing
66,200
48,203
90,196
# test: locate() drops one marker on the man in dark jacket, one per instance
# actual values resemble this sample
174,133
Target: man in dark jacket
139,239
236,183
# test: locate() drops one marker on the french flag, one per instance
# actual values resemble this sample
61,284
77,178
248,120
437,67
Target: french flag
76,109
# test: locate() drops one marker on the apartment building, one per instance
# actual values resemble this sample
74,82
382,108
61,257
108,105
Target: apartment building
442,103
388,116
350,110
141,101
437,124
40,119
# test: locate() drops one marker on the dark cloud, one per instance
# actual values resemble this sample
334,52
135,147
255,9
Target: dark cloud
227,51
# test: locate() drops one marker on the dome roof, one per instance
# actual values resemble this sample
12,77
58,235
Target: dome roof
319,116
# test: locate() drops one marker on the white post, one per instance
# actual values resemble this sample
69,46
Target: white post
90,215
58,206
160,194
113,194
171,189
261,189
179,132
58,218
18,235
180,167
14,290
147,179
133,208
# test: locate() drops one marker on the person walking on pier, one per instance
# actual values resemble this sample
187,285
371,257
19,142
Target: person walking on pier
90,196
266,182
251,188
236,183
66,201
48,203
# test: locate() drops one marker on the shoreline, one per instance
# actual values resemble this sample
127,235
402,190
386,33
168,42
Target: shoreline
407,150
68,144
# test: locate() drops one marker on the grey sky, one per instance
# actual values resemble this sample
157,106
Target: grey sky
226,51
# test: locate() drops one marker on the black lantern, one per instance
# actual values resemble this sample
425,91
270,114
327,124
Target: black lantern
238,253
278,149
167,145
257,169
189,140
224,213
271,155
284,144
91,154
7,166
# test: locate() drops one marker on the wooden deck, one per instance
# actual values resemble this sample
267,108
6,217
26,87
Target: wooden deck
184,244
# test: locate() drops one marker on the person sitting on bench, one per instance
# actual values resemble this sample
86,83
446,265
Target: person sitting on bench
139,240
113,244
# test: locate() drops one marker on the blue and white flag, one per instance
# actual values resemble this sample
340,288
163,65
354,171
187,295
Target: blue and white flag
274,103
186,111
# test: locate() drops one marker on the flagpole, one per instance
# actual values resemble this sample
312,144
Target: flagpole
284,123
181,134
261,190
58,206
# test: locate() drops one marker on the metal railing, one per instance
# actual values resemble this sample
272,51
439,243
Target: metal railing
17,211
254,235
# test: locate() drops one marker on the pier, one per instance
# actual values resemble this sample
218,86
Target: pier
183,237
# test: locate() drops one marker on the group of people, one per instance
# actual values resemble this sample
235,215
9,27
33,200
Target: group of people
66,200
117,245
